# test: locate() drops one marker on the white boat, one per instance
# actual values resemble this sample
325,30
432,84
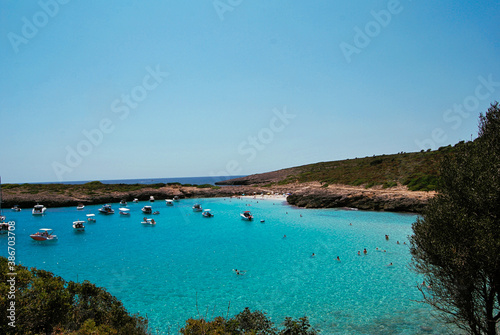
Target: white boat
123,202
90,217
80,207
106,209
246,215
150,222
4,227
78,225
45,234
135,200
147,210
176,198
16,208
39,209
152,199
124,211
207,213
169,202
197,208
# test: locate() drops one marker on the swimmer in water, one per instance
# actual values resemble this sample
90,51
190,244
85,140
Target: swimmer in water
313,254
338,258
364,251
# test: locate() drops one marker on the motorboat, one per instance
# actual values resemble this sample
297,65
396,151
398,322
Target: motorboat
44,234
123,202
147,210
39,209
197,208
106,209
80,206
176,198
156,212
78,225
135,200
152,199
150,222
169,202
246,215
16,208
4,228
207,213
124,211
91,218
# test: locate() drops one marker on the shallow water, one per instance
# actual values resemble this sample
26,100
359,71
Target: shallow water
183,266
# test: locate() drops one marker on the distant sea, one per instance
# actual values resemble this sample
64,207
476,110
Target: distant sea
182,180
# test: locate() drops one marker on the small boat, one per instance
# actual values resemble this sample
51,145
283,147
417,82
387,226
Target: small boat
124,211
246,215
207,213
150,222
152,199
123,202
147,210
4,228
39,209
156,212
16,208
78,225
169,202
106,209
176,198
197,208
91,218
262,221
80,206
135,200
45,234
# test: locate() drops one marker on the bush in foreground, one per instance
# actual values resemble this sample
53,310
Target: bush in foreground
47,304
247,322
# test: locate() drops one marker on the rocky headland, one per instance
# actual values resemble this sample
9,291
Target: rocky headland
307,195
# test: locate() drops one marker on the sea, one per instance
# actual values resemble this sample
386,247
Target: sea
185,266
183,180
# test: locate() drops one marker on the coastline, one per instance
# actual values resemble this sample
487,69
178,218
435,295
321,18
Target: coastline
306,195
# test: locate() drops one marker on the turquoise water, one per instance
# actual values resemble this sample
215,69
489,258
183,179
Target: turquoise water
183,266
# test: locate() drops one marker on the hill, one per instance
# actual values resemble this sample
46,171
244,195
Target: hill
416,171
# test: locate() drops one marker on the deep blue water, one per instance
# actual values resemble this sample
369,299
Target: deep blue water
183,266
182,180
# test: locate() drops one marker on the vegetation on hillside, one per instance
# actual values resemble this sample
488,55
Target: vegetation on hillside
419,171
47,304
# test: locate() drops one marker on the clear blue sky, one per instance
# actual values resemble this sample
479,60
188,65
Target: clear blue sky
200,88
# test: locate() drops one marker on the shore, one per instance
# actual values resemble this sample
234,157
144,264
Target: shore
307,195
